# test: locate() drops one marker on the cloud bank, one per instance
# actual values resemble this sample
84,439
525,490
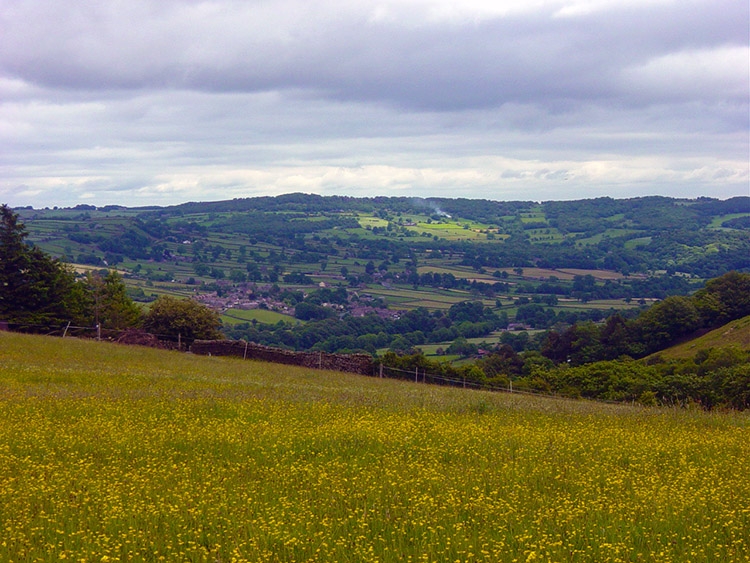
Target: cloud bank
156,102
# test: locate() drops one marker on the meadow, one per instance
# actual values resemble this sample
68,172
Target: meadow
123,453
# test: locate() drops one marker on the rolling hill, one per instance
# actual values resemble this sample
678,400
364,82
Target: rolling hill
735,333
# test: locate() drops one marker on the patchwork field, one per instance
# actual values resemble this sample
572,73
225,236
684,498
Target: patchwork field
411,299
396,252
113,453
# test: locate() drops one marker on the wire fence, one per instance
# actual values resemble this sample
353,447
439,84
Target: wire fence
179,342
420,375
96,332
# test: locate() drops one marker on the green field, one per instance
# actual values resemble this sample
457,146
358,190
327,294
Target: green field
636,242
467,230
114,453
411,299
603,304
367,221
461,273
718,222
609,233
434,299
564,273
234,316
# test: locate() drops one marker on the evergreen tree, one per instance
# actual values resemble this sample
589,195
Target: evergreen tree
34,288
110,304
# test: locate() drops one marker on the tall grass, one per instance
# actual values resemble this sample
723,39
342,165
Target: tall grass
121,453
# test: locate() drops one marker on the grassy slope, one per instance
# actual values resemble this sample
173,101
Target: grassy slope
122,453
736,333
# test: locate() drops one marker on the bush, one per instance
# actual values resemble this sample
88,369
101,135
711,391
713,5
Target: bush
184,317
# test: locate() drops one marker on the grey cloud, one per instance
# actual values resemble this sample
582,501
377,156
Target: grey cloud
144,102
339,53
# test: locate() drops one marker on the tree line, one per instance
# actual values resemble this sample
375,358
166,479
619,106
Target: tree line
722,300
618,360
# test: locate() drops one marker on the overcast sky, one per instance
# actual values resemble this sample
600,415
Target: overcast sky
140,102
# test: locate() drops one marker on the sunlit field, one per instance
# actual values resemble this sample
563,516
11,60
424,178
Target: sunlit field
113,453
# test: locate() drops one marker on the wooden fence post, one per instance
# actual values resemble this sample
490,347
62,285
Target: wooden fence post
416,375
244,356
66,330
179,341
381,371
98,331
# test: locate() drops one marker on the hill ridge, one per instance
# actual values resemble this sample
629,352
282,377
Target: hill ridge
734,333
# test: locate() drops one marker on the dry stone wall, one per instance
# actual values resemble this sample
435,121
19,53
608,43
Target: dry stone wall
352,363
141,338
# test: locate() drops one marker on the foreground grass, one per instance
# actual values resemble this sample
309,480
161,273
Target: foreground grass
117,453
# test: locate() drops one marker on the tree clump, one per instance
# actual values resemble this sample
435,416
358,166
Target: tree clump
182,318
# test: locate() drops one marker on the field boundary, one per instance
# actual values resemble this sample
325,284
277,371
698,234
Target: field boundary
360,364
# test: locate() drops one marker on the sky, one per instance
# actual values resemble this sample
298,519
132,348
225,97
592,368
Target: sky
157,102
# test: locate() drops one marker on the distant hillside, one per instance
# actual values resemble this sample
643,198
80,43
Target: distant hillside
350,267
736,333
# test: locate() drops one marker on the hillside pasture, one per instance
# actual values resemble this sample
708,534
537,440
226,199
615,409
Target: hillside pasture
434,299
115,453
609,233
370,221
734,334
452,230
718,221
636,242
